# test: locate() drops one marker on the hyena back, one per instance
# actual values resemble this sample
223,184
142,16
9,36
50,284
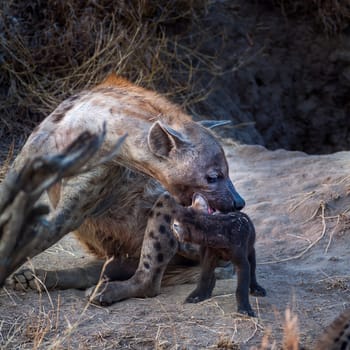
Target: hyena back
108,206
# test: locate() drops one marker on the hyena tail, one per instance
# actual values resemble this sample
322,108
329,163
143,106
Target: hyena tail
177,274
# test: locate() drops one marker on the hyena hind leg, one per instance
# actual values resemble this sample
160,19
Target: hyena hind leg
158,248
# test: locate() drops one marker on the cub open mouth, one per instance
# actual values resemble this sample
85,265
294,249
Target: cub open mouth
200,203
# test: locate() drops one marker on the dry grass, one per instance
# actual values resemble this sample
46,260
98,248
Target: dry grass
4,166
332,16
49,50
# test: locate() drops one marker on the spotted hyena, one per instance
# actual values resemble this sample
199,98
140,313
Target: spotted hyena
108,206
228,236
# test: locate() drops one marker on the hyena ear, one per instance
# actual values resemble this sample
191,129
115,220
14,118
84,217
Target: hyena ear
211,124
200,203
162,139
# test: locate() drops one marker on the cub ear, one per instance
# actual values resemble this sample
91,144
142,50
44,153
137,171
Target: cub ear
211,124
162,139
200,203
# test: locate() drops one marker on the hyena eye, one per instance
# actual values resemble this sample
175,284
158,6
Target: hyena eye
213,177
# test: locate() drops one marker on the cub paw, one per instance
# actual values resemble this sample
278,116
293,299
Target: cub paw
248,311
195,297
258,291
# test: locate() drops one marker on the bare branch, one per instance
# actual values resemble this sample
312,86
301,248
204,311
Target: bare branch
20,211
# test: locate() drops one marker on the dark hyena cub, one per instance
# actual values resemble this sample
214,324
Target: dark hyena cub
228,237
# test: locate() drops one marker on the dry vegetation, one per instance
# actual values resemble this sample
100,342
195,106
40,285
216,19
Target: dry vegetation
332,16
49,49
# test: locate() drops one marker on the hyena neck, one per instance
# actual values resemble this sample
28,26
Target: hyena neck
155,148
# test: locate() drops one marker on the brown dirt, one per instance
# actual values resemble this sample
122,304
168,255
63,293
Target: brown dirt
299,204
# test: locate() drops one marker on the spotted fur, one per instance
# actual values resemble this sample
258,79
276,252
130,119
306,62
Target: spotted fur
337,335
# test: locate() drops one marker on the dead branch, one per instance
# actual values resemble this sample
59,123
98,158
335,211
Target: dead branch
20,192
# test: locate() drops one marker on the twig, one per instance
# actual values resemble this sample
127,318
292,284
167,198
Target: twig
299,255
332,234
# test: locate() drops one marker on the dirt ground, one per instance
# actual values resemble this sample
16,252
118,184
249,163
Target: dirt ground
300,206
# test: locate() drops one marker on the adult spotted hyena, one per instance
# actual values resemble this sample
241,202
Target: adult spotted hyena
108,206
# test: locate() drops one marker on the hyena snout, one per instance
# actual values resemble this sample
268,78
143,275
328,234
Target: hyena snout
238,201
225,199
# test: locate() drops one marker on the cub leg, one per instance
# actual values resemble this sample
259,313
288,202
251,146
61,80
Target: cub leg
243,283
255,288
158,248
207,279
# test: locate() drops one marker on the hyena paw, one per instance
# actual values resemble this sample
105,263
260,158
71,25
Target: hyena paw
258,291
99,295
26,279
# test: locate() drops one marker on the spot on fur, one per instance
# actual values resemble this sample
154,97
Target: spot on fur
57,117
157,246
167,218
62,110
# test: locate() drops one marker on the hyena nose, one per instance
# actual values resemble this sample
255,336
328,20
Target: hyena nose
238,202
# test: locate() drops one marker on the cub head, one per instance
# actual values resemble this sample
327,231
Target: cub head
191,160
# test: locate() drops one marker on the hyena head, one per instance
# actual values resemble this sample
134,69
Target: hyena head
191,160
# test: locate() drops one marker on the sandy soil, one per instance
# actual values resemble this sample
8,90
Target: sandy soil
300,206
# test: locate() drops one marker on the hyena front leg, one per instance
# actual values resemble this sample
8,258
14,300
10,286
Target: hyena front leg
158,248
76,277
82,277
